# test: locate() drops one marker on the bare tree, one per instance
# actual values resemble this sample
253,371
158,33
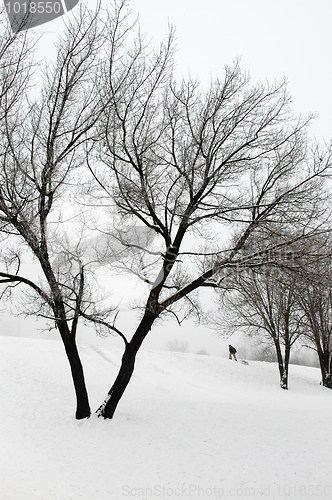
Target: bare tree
188,163
15,65
177,345
315,299
265,304
216,175
43,132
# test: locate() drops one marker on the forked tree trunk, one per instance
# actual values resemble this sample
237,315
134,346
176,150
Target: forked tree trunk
82,400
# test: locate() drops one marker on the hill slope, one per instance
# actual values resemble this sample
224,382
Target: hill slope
188,426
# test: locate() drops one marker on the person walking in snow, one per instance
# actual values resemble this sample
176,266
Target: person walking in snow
232,352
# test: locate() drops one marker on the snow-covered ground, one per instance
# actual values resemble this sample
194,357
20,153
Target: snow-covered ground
189,426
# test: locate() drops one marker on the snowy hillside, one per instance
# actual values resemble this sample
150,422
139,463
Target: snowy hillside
188,426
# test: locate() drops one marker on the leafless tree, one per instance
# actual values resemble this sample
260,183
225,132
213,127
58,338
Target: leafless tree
15,65
44,128
209,171
265,304
222,178
177,345
315,299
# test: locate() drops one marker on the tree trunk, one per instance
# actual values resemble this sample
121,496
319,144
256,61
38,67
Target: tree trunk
286,365
325,367
110,404
282,371
82,400
327,380
329,374
284,380
116,392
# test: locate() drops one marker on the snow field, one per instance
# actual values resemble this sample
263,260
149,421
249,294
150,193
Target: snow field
188,426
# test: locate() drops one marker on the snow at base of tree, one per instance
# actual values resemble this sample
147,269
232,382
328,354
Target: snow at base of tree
188,426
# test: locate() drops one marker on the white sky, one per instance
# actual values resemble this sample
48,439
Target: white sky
272,38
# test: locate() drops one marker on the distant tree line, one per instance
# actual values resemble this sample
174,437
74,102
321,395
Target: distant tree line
287,305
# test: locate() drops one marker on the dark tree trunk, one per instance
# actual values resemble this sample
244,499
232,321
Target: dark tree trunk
82,400
325,367
110,404
122,380
282,371
329,375
327,380
286,366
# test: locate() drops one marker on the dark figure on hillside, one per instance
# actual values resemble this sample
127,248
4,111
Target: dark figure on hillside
232,352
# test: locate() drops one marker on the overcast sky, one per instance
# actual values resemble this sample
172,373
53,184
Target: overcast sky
273,38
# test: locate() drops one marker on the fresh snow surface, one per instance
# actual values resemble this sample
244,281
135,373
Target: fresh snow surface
188,426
